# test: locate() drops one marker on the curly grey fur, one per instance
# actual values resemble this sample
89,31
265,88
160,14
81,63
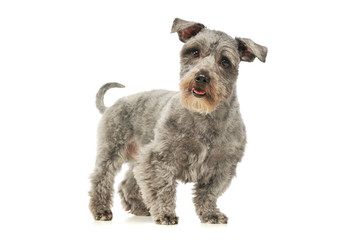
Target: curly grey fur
167,136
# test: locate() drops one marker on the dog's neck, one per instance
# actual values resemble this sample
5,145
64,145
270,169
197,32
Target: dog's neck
226,108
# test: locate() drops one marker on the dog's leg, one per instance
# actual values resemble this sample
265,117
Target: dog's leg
207,191
131,196
205,200
157,182
108,163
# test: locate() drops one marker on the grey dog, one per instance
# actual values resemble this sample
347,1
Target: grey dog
194,135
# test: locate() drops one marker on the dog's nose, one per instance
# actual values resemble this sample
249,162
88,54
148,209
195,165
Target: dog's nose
202,79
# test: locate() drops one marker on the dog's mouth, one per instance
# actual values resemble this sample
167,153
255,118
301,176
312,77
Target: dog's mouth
197,92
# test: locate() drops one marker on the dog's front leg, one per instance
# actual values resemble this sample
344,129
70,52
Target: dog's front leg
207,192
155,176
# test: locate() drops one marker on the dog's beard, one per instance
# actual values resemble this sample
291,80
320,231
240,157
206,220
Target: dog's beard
202,104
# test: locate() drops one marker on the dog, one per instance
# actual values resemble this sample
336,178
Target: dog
194,135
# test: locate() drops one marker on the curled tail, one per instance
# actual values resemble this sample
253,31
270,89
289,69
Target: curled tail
100,95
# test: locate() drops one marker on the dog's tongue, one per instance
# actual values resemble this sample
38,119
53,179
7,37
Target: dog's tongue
198,91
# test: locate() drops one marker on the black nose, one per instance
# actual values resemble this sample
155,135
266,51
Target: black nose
202,79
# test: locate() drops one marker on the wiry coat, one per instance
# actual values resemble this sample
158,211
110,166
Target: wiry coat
195,135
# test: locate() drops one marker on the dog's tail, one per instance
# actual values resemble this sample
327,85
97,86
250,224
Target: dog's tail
100,95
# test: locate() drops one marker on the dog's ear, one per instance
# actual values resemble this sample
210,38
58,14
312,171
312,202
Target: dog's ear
249,50
186,29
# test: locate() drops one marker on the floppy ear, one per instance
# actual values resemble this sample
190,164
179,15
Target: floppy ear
186,29
249,50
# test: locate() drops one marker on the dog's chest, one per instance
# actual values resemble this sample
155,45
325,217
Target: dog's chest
198,144
195,155
193,166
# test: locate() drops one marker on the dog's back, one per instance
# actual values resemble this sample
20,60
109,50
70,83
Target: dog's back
136,115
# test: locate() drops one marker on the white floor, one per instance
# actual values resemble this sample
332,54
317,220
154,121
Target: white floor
276,205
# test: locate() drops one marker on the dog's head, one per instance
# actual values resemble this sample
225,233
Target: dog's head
209,64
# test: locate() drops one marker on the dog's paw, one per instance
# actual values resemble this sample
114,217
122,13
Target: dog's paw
106,215
167,220
214,218
140,212
135,207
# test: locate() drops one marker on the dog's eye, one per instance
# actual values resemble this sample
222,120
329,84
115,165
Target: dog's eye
191,53
195,53
225,63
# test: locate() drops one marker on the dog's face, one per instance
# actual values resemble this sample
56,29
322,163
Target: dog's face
209,70
209,65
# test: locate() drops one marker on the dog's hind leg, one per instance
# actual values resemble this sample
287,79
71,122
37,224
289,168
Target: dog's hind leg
111,154
108,164
131,196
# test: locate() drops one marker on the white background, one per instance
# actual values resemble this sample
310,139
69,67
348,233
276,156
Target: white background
300,177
